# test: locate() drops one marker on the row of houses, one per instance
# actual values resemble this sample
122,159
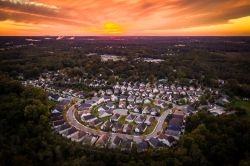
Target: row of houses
114,125
67,131
147,97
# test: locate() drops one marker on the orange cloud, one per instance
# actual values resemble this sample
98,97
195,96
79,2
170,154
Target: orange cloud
112,17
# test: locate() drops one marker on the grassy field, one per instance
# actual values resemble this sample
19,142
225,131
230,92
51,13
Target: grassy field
240,105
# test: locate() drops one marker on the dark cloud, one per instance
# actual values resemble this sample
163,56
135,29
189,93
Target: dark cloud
30,7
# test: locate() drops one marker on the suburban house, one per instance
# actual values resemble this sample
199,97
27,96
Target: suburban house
106,98
150,120
147,101
56,117
89,139
127,128
110,105
109,92
130,118
137,110
122,104
141,128
116,142
146,110
142,146
117,127
131,106
58,123
190,110
78,137
126,145
155,111
175,125
123,98
155,143
139,100
103,108
103,140
63,128
95,122
103,114
70,132
84,107
160,103
115,117
106,125
167,140
114,98
131,99
61,106
88,118
140,119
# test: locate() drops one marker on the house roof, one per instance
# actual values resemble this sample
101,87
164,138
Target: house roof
102,140
96,121
79,135
142,126
107,124
65,126
55,118
154,142
117,140
126,144
88,117
72,130
176,122
59,122
163,136
172,132
142,146
115,116
117,125
179,112
87,138
140,118
171,139
128,127
84,106
131,117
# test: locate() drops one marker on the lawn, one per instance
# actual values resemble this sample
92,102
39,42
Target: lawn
104,119
94,110
122,120
150,128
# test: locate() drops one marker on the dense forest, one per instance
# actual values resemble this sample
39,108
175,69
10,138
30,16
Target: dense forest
26,137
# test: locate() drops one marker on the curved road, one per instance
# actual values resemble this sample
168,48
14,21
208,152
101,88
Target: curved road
75,123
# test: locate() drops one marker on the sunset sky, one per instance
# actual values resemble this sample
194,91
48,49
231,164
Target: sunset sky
125,17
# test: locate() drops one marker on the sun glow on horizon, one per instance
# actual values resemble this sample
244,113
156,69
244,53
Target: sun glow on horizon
108,28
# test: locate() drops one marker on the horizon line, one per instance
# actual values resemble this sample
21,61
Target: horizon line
129,36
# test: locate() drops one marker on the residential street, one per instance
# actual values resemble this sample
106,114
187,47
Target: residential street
74,122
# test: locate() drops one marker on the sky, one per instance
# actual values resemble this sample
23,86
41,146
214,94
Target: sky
125,17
